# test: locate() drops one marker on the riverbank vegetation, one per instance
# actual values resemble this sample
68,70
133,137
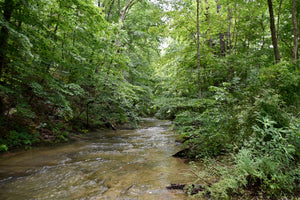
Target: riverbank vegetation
226,72
69,66
235,92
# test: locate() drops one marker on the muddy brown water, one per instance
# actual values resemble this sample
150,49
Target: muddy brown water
124,164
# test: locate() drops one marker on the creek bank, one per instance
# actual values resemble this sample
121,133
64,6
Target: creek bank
64,133
183,154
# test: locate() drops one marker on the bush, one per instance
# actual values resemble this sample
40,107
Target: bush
213,131
265,165
284,80
168,108
19,139
214,135
3,147
272,158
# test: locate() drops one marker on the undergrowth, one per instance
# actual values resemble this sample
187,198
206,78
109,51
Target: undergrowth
255,122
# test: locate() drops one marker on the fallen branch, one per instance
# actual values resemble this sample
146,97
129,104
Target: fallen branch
128,188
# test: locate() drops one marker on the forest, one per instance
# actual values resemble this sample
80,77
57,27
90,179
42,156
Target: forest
226,72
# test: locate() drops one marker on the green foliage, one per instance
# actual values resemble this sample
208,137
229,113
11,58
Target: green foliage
215,134
239,84
19,139
3,147
75,63
270,104
266,165
272,160
292,136
285,81
208,126
168,108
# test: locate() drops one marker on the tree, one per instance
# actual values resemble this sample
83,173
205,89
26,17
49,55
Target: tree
243,89
221,36
198,51
273,32
59,63
8,7
295,30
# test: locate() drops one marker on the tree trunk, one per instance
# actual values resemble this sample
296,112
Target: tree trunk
198,53
222,44
296,31
263,33
207,18
87,115
8,7
119,6
211,44
278,19
273,32
110,9
121,20
221,37
229,40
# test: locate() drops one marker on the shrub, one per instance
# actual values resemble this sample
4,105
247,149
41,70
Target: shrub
20,139
214,135
169,108
3,147
266,164
213,131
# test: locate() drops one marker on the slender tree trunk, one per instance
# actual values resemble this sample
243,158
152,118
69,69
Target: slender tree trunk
121,20
222,44
110,9
273,32
296,31
229,43
8,7
211,44
62,47
263,33
221,37
248,39
87,115
207,18
123,13
236,35
198,53
278,19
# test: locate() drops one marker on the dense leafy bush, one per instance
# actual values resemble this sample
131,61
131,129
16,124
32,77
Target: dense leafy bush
213,129
285,81
19,139
266,165
272,159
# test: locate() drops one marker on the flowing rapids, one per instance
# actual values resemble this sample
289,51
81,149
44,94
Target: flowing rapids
124,164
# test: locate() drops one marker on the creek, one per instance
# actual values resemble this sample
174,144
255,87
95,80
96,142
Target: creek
123,164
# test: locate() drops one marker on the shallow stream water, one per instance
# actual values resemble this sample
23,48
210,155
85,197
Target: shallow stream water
124,164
